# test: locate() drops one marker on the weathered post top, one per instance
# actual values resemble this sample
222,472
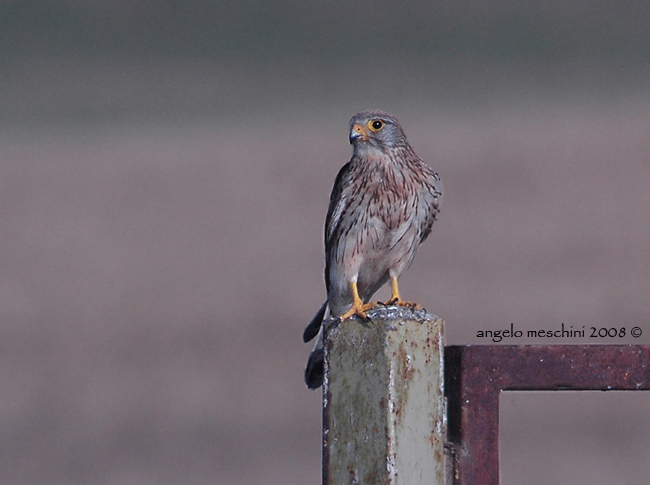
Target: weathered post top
383,400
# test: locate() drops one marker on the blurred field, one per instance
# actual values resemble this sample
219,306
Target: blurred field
155,282
164,178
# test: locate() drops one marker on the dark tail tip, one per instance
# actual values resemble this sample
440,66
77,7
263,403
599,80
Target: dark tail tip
315,369
314,326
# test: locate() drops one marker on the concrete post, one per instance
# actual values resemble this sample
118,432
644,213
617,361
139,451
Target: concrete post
383,401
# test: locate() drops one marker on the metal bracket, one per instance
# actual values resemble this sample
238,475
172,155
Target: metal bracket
476,374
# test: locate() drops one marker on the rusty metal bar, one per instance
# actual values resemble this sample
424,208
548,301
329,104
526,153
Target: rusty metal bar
475,375
384,415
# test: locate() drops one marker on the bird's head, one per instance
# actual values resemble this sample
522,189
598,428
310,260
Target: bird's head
374,129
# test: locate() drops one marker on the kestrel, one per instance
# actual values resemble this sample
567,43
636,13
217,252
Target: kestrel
382,206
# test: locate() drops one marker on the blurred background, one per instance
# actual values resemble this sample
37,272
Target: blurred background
165,173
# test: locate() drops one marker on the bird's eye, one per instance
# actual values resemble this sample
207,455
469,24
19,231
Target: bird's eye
376,125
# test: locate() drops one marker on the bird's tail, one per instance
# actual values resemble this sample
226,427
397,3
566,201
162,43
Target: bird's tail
314,326
316,362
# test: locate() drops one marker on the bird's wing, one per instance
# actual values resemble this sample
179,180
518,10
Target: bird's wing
339,201
433,198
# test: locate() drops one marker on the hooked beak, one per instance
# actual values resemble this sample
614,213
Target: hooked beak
358,132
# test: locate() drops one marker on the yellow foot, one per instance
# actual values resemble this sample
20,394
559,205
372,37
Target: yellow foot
358,306
395,299
359,310
407,304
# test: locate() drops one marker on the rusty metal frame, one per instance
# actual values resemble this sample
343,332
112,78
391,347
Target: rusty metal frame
475,375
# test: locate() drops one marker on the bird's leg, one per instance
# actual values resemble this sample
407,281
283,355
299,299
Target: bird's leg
358,306
395,299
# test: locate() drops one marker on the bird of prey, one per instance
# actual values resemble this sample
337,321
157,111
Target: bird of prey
382,206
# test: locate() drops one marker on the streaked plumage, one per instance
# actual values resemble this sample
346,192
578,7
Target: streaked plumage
382,206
